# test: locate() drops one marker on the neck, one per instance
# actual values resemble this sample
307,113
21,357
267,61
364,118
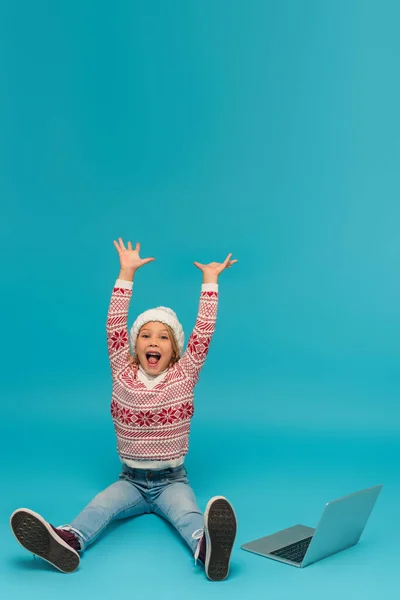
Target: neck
152,375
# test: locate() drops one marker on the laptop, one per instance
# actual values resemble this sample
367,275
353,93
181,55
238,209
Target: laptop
340,527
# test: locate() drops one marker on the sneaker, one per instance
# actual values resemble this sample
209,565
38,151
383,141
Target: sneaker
57,546
219,535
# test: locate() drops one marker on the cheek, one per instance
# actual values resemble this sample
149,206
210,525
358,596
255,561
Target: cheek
168,350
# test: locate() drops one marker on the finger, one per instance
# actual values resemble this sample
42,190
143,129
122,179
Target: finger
116,245
129,245
198,265
226,261
147,260
121,244
231,262
137,247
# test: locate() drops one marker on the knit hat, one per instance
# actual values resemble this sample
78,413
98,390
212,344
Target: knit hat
161,314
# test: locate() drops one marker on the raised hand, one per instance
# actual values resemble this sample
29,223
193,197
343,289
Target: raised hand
212,271
129,258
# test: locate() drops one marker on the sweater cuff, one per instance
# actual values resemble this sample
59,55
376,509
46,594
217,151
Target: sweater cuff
209,287
126,285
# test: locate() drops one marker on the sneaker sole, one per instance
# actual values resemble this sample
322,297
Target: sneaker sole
35,535
220,528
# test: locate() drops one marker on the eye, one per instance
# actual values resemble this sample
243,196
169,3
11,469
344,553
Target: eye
145,335
164,337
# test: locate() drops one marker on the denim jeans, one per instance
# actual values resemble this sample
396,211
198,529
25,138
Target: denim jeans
165,492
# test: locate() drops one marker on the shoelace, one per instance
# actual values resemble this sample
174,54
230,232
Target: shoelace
197,535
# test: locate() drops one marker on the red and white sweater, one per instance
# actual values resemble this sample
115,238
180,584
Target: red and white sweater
152,423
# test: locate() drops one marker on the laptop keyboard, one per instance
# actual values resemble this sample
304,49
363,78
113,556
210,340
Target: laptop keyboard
295,552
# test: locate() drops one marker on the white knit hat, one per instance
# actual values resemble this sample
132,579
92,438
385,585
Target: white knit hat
161,314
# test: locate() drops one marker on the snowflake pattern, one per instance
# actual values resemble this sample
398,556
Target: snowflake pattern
119,339
185,411
114,410
199,346
167,415
144,418
125,416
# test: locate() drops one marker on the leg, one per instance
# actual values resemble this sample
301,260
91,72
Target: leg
60,546
119,501
177,504
211,537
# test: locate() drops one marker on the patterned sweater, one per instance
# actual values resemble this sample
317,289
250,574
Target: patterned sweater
154,424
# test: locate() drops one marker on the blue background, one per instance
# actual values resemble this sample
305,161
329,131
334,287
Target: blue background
266,129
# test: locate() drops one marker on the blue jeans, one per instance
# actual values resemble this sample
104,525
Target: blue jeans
166,493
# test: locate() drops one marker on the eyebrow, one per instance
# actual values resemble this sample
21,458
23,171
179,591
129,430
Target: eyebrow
162,330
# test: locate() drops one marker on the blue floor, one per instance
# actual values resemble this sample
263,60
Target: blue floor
263,128
276,479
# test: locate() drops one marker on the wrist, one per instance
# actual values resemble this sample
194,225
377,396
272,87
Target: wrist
126,274
210,278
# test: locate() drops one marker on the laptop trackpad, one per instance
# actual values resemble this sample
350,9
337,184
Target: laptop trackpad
270,543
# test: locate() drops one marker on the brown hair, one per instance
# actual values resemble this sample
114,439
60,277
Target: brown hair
134,361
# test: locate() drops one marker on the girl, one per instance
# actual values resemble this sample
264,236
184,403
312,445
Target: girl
152,405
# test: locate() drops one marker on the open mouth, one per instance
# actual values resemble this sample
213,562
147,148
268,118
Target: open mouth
153,358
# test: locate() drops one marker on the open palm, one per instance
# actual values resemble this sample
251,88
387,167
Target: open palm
215,268
129,258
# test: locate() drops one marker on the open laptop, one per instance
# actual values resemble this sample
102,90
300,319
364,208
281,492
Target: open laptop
340,526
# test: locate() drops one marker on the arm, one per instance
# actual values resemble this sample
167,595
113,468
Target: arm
117,325
117,318
199,342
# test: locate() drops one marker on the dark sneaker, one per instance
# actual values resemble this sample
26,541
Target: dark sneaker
57,546
219,535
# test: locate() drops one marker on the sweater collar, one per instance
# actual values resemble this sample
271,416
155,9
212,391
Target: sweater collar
151,377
